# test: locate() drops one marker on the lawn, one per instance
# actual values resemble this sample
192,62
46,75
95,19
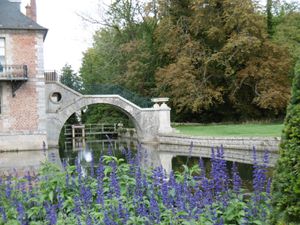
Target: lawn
238,130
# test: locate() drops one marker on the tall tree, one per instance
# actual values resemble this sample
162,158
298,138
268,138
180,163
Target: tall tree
69,78
103,63
270,17
219,50
124,51
222,56
286,32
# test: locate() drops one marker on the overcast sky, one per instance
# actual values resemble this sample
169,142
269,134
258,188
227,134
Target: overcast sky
68,36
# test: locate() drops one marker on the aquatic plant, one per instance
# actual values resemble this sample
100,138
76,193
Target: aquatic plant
117,192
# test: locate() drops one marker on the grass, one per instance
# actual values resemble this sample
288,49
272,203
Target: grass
237,130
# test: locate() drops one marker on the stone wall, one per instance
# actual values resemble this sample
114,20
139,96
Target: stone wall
238,149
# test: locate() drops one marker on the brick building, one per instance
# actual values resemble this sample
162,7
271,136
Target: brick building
22,86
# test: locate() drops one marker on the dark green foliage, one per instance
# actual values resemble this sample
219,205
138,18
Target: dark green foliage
69,78
114,89
286,183
270,17
286,26
124,51
105,114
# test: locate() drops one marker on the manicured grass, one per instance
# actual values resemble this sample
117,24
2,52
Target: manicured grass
238,130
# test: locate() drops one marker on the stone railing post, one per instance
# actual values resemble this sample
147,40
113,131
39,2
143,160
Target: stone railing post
164,114
166,162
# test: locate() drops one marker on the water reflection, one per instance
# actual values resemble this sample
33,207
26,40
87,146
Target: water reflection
21,162
92,150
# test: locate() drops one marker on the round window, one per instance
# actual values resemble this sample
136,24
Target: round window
56,97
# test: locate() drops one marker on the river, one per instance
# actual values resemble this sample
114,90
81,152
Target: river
22,161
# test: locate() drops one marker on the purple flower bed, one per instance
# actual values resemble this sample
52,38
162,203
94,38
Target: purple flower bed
119,192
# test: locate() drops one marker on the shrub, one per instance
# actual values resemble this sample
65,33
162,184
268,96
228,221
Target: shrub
286,182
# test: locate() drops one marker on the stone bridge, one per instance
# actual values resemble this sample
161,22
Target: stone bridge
62,102
153,129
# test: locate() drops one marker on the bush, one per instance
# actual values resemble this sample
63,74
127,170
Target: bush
286,182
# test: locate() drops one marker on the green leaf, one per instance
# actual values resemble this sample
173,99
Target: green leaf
51,195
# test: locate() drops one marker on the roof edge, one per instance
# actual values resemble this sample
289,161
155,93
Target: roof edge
44,30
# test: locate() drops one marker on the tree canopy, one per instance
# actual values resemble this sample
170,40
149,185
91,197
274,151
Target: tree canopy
215,59
69,78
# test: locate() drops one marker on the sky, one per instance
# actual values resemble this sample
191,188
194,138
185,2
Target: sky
68,35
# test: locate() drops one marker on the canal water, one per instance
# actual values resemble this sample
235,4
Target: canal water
91,151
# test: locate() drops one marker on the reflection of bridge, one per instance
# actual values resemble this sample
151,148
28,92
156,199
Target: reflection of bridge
81,133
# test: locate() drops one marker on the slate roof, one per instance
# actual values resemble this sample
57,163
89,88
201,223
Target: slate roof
13,19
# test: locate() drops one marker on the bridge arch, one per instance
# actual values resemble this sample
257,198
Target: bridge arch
98,100
147,121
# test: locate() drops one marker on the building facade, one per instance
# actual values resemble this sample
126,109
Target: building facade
22,85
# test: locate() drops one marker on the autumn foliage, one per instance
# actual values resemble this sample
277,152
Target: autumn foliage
214,59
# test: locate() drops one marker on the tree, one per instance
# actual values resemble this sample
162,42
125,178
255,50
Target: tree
123,52
101,113
218,50
286,179
103,63
69,78
220,53
287,33
270,17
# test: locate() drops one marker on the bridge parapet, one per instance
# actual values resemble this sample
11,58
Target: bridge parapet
236,149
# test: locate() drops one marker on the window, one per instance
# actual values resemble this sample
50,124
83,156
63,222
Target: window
2,53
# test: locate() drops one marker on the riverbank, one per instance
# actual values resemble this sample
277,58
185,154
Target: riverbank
236,130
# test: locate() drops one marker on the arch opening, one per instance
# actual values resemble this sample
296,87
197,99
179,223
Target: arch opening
88,122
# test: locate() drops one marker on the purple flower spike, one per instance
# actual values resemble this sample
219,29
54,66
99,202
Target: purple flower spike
236,179
114,181
3,214
51,213
8,187
77,209
89,220
21,213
